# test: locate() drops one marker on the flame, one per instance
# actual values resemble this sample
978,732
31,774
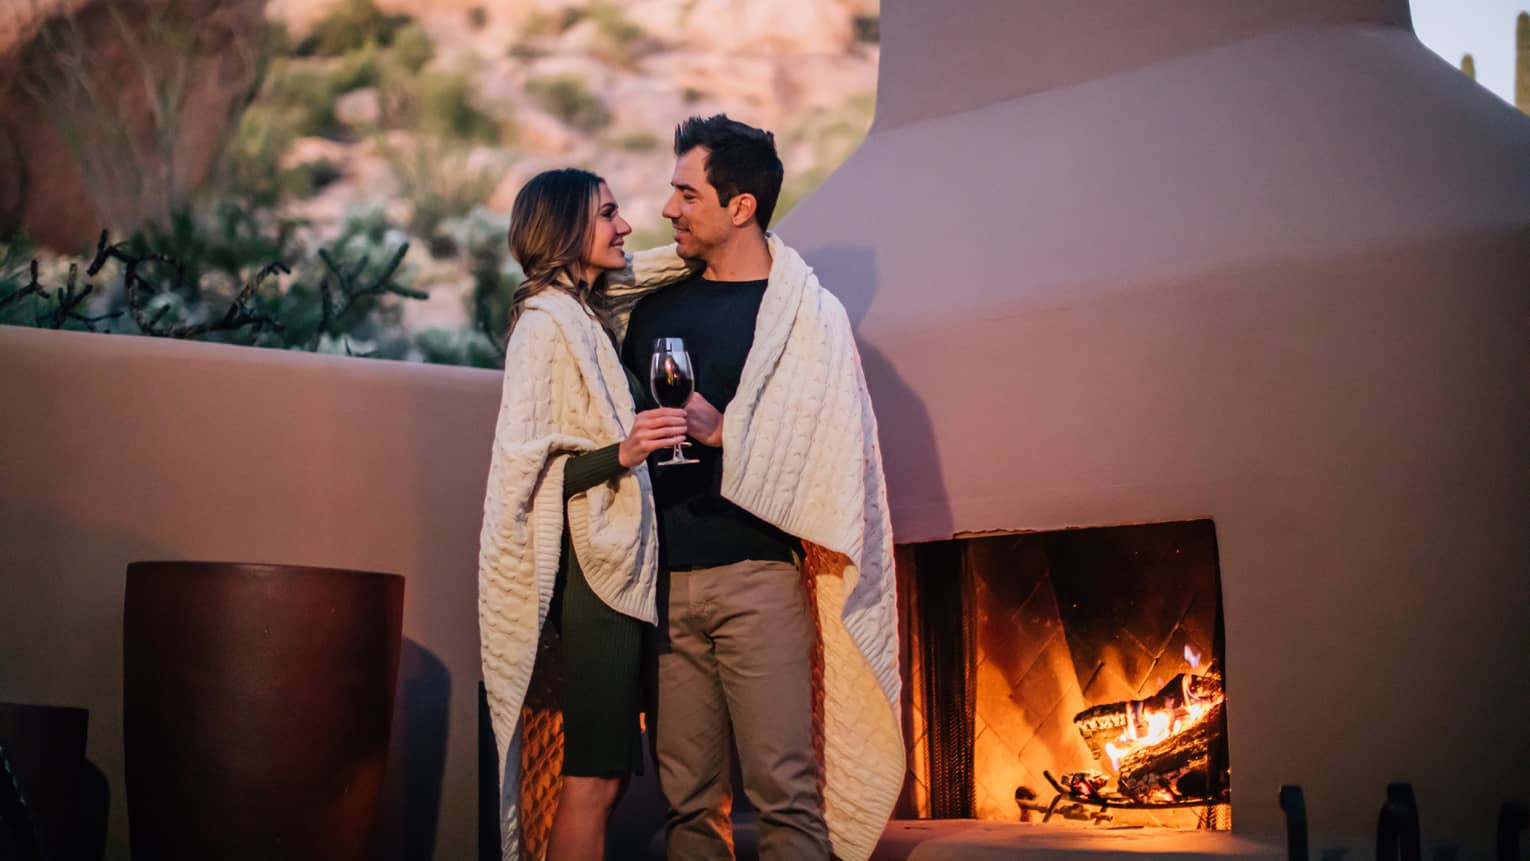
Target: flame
1192,656
1148,725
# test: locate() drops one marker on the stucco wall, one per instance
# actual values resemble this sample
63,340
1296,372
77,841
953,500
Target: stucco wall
115,449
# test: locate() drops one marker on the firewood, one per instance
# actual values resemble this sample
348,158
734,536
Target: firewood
1175,768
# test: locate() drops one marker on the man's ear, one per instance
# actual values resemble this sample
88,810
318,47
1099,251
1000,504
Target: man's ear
742,208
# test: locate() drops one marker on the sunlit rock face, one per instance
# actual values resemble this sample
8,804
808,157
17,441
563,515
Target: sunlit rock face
113,111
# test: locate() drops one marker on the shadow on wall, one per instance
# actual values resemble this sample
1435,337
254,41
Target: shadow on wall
66,570
417,755
850,273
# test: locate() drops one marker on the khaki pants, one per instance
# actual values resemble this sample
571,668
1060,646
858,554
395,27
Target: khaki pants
734,653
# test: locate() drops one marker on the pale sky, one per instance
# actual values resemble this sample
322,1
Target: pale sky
1482,28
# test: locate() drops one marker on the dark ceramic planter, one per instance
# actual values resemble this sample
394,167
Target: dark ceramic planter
44,749
256,708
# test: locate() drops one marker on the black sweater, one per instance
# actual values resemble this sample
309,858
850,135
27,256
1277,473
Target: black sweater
698,528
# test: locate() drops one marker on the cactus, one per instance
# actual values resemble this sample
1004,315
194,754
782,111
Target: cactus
1522,62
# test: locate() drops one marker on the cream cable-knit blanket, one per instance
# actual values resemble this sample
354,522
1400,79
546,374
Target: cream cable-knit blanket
564,391
800,451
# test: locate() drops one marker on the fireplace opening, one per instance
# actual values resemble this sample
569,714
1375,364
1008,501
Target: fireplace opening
1071,676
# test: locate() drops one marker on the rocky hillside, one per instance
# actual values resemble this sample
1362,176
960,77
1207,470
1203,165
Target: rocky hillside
508,90
330,132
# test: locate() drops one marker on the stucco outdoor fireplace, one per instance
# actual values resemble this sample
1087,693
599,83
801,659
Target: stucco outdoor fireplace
1195,324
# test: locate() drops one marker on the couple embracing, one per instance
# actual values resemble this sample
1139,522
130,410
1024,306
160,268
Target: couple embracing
702,594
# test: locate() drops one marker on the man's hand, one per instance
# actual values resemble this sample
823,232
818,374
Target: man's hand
651,431
703,423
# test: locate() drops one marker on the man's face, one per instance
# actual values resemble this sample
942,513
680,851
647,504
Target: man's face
701,222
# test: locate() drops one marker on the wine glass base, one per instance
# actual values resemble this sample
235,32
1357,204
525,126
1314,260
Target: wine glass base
675,460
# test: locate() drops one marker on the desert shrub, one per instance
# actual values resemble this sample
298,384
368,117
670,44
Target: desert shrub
446,108
412,48
350,25
570,100
441,179
638,142
868,29
233,275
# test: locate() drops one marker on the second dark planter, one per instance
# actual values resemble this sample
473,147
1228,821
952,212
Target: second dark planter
256,708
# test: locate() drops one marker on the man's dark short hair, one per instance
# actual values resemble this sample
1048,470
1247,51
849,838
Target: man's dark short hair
741,159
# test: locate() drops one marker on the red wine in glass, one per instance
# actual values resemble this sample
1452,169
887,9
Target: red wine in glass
671,381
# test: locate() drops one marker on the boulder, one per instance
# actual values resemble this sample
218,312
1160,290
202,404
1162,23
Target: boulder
113,111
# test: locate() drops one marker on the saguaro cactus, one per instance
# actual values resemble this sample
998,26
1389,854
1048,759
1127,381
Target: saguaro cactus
1522,62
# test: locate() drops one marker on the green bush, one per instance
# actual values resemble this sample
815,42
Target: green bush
359,68
446,109
541,25
525,52
613,23
193,274
301,94
480,234
297,99
457,346
351,25
638,142
251,167
567,98
412,48
868,29
311,177
439,177
17,307
622,42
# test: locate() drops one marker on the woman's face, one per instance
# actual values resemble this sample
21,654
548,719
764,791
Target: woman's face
605,251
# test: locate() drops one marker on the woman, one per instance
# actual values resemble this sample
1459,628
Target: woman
568,449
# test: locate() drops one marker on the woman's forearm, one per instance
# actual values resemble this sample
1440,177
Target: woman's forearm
587,469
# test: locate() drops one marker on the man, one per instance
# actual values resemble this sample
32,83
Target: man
787,451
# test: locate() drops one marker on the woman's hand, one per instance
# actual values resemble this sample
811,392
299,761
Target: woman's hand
651,431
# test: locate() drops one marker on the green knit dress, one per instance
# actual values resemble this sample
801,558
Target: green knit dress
602,649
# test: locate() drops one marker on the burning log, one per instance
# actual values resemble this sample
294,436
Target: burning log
1180,702
1177,767
1160,746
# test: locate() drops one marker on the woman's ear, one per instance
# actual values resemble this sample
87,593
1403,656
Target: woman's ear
742,208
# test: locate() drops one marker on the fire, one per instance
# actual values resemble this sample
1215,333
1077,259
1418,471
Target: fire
1157,746
1150,721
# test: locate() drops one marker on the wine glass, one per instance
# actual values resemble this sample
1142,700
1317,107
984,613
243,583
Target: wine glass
671,381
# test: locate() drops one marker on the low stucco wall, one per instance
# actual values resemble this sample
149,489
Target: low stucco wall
115,449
